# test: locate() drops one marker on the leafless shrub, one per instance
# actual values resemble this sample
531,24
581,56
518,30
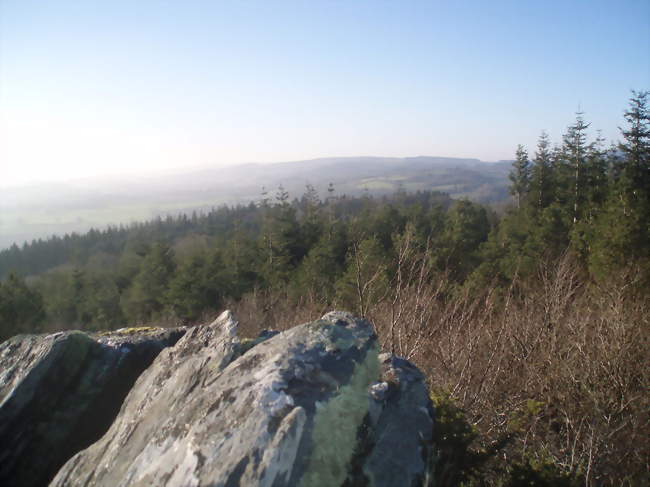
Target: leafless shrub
557,365
273,310
560,368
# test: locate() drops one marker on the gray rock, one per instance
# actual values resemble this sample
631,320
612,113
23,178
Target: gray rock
401,426
290,409
59,393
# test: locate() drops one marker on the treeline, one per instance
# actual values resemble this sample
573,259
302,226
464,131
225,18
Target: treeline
177,268
578,197
583,197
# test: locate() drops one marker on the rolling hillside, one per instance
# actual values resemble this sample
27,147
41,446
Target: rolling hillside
41,210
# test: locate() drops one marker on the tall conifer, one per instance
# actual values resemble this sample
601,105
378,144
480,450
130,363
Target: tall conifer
520,175
542,173
575,151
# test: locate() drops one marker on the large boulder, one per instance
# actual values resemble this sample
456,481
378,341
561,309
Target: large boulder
59,393
313,405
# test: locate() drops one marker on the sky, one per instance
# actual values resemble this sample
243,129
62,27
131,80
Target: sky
105,88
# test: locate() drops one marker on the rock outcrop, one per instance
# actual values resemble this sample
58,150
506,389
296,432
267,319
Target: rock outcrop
59,393
314,405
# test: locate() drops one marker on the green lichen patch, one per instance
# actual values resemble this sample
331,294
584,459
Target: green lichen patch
336,424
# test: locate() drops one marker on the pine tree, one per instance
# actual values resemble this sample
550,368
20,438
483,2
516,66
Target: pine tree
520,175
542,173
635,174
98,306
281,239
466,228
319,271
312,221
596,183
21,308
197,286
146,296
622,236
331,209
575,152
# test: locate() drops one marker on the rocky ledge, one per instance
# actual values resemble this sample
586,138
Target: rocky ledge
60,393
314,405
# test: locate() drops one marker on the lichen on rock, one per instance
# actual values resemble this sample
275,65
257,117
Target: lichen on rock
336,424
313,405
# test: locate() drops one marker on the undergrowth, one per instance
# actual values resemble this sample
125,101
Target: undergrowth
542,383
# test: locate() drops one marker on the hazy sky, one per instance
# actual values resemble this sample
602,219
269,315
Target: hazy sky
106,87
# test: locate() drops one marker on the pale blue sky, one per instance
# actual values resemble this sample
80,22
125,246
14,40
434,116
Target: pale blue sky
106,87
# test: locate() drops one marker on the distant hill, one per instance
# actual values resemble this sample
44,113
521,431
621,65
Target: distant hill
38,211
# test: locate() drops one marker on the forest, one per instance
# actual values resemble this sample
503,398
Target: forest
531,324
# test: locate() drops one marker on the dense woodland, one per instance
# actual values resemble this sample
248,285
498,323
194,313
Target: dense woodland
531,324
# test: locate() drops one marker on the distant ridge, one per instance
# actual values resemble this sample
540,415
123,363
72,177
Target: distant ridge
37,211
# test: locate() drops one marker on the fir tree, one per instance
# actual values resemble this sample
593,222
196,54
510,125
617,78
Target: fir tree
21,308
281,240
542,173
520,175
147,295
596,183
635,174
621,239
575,151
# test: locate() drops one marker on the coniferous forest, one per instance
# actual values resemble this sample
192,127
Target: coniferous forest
530,323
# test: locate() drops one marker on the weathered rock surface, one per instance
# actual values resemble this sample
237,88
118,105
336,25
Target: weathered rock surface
314,405
310,406
59,393
401,425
